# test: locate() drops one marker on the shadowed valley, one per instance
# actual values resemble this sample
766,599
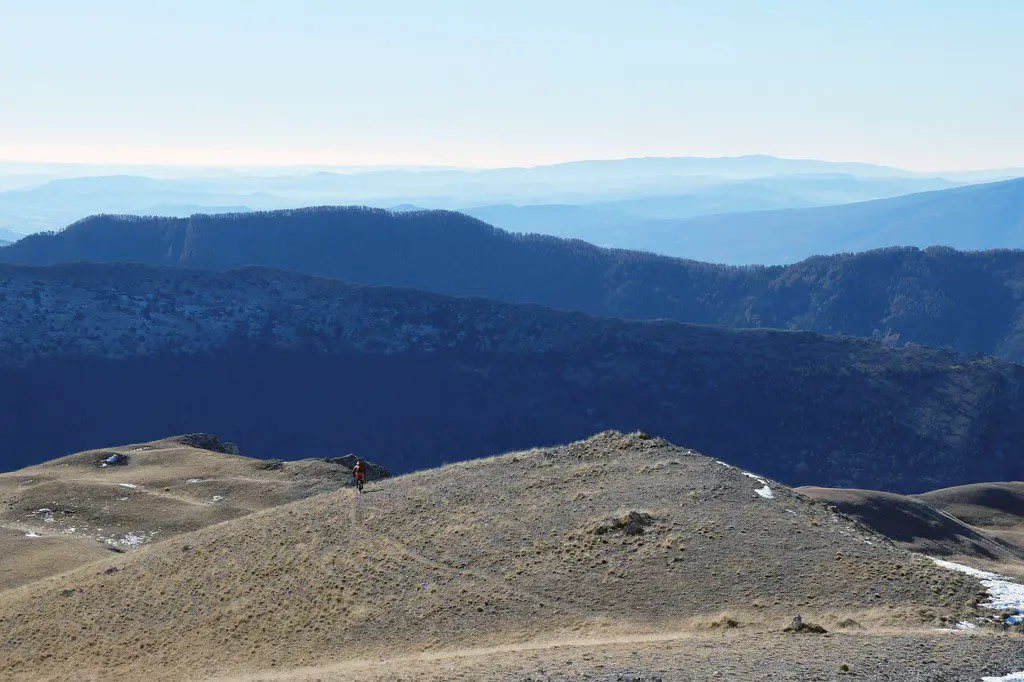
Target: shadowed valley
294,366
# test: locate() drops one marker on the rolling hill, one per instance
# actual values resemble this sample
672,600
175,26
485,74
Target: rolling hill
915,524
926,297
290,365
996,508
620,556
77,509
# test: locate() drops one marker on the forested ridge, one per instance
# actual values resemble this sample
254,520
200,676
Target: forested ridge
289,365
962,301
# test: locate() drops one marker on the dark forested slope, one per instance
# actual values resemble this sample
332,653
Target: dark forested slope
971,301
289,365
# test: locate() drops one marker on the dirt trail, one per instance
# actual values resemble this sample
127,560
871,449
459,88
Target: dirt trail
372,668
354,665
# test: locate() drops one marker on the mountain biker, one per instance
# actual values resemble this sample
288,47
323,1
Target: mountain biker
359,471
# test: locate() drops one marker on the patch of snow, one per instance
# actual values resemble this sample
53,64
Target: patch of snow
133,540
130,539
790,511
1012,677
1004,594
194,480
964,625
121,499
128,485
764,492
977,573
32,534
69,531
43,510
218,498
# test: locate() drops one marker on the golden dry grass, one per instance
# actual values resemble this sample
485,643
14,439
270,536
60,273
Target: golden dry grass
500,552
70,511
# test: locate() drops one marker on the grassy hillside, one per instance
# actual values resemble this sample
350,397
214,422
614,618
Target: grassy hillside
997,508
981,523
74,510
905,295
917,525
612,545
292,366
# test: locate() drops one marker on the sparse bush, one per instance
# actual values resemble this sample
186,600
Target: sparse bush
628,523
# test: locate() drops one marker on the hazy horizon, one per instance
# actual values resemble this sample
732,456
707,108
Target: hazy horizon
337,168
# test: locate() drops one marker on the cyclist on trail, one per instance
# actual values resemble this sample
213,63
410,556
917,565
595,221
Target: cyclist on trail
359,471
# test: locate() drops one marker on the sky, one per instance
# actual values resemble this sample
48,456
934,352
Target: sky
923,85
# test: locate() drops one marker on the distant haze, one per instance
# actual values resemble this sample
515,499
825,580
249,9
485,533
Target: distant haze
741,210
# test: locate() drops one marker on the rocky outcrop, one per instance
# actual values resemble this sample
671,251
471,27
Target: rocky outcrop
207,441
374,472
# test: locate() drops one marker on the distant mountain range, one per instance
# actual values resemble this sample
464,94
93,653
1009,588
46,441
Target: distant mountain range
930,297
62,201
8,236
624,221
972,217
742,167
291,365
613,193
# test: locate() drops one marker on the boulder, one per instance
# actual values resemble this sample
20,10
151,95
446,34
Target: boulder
798,625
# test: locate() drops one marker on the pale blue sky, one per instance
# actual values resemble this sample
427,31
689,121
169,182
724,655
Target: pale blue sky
935,84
